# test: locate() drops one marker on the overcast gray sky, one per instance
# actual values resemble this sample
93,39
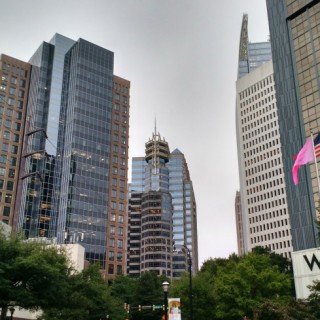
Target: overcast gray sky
181,58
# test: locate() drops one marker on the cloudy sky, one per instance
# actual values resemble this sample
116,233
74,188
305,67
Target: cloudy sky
181,58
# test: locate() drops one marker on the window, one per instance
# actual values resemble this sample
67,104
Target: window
19,104
119,269
2,172
22,83
111,269
14,149
111,255
13,161
17,126
120,243
12,91
7,124
10,185
13,80
6,135
3,87
21,93
1,183
8,198
9,112
120,219
11,173
18,115
6,211
3,158
5,147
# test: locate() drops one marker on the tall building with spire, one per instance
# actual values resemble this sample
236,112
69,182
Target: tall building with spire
162,212
262,212
75,153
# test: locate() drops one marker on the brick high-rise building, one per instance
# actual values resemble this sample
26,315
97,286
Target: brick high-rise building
14,85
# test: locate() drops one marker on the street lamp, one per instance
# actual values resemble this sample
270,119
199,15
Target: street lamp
165,287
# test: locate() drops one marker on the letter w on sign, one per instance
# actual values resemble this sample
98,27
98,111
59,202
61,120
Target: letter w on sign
313,261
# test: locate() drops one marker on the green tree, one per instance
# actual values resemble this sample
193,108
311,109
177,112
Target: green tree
241,287
88,298
32,275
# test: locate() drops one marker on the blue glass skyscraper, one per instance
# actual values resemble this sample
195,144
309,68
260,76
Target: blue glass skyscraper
70,130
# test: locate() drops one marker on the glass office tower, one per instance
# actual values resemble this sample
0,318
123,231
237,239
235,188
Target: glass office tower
162,213
77,111
295,38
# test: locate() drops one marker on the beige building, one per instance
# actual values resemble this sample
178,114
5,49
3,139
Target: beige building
264,211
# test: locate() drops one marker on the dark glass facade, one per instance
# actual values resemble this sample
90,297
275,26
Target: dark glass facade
76,129
295,37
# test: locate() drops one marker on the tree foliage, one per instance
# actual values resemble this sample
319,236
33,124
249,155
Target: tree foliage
32,275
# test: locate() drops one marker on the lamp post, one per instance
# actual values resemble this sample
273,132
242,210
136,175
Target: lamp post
165,287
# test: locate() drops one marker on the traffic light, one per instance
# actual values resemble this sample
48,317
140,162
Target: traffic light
153,307
128,307
139,307
125,306
163,307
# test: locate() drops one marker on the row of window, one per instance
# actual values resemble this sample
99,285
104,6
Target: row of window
14,69
265,196
255,98
257,87
272,225
266,206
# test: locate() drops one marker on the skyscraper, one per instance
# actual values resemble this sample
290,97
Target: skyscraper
14,85
162,212
75,173
262,213
295,37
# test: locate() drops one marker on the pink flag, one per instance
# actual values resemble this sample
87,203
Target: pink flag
304,156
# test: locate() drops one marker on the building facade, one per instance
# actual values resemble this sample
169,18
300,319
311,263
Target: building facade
14,86
74,181
295,37
263,219
162,213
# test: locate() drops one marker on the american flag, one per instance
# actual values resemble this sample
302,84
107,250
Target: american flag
316,143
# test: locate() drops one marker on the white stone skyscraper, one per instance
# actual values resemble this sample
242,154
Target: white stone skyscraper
264,212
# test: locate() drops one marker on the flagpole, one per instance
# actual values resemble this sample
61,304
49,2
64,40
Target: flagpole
316,163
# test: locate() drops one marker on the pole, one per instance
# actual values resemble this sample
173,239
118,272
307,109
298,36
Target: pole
190,285
166,305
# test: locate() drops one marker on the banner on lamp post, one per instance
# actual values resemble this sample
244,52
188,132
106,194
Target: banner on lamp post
174,309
